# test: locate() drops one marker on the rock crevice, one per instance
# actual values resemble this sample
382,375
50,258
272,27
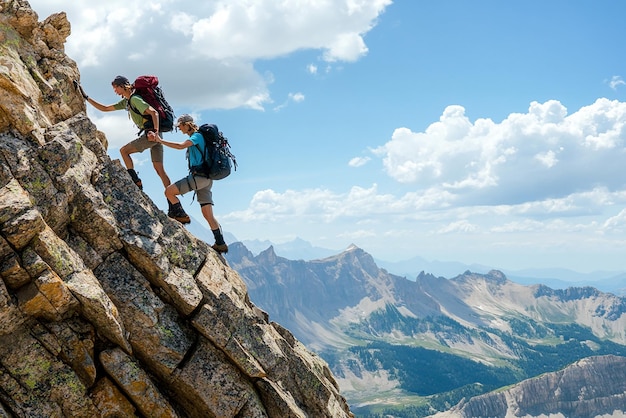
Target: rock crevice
109,308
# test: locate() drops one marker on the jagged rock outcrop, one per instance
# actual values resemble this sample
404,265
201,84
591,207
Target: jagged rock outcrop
107,307
592,387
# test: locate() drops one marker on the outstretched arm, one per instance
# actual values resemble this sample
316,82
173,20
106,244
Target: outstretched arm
152,136
99,106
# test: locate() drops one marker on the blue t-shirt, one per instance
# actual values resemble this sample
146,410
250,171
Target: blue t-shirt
193,154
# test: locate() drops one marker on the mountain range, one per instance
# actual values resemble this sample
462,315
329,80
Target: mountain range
556,278
109,308
431,342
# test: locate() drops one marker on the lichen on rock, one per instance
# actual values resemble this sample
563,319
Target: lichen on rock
108,307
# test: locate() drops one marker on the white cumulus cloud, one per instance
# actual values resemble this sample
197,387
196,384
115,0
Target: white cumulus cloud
543,153
221,38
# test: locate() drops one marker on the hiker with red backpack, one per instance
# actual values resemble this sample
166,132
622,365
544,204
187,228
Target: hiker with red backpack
197,182
149,118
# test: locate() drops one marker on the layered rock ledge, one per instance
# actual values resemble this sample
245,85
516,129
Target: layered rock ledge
108,308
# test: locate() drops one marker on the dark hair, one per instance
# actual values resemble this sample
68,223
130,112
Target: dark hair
120,81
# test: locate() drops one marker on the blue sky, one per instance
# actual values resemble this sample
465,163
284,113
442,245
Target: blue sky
482,132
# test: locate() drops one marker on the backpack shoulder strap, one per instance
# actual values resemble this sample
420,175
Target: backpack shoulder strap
133,108
205,154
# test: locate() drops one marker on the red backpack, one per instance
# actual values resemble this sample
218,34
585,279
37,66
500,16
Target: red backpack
147,87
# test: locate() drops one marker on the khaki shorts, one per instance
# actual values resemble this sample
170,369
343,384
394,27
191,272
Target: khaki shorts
143,143
201,185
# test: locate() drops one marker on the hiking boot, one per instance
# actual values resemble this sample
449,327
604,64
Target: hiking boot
220,248
177,212
135,178
183,218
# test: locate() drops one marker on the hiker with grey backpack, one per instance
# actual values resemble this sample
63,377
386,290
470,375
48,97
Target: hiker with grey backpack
200,178
148,109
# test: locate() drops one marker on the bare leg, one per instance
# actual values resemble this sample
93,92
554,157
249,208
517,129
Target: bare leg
207,212
158,167
175,210
125,152
171,193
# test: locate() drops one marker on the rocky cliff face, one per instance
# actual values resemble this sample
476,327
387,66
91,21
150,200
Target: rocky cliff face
591,387
107,307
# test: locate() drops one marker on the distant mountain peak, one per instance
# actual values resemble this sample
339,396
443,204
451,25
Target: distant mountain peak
268,255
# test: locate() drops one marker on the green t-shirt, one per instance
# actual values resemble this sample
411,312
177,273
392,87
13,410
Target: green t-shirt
139,104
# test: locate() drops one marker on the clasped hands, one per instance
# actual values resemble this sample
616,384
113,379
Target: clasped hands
153,136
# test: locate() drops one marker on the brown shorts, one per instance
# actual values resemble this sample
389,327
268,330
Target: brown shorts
143,143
